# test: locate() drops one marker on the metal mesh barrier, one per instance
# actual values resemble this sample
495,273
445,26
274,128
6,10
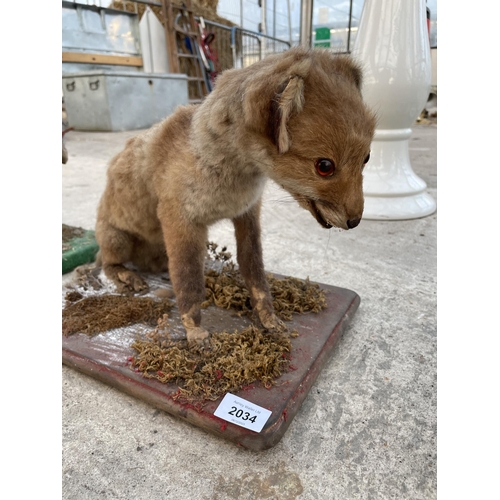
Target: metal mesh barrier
232,46
238,48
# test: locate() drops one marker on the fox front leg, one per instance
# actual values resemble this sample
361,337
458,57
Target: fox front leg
186,250
249,256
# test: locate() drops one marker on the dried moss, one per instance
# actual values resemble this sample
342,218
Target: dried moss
100,313
226,289
69,233
230,361
73,296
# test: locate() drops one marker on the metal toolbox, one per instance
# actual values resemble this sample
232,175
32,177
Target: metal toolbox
121,100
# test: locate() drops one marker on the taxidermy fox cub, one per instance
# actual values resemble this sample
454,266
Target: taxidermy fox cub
297,118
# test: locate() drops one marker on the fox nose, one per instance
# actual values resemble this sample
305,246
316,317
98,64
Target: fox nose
353,223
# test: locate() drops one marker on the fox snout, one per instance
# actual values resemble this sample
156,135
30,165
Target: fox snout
354,211
351,224
329,214
352,217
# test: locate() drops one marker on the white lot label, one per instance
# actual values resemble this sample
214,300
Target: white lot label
243,413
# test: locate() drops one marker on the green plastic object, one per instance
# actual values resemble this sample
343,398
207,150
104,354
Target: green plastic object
322,37
82,251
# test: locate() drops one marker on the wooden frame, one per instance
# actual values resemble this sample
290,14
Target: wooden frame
173,60
83,57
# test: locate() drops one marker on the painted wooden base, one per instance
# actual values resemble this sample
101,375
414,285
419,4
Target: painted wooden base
104,357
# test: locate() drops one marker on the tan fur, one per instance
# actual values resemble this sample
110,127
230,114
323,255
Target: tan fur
204,163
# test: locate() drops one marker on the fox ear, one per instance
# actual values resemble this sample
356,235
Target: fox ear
285,104
350,69
355,74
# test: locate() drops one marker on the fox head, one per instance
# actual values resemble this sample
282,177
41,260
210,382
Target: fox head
320,132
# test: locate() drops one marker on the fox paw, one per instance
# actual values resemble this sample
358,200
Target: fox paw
197,334
271,322
128,281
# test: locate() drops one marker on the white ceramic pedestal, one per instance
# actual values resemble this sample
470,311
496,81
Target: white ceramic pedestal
393,47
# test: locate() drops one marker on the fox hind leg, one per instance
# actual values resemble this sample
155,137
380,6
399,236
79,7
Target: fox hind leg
115,249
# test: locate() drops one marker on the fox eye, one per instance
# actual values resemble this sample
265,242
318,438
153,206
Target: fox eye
325,167
367,159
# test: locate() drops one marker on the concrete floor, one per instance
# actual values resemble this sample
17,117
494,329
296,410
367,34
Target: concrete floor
367,429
